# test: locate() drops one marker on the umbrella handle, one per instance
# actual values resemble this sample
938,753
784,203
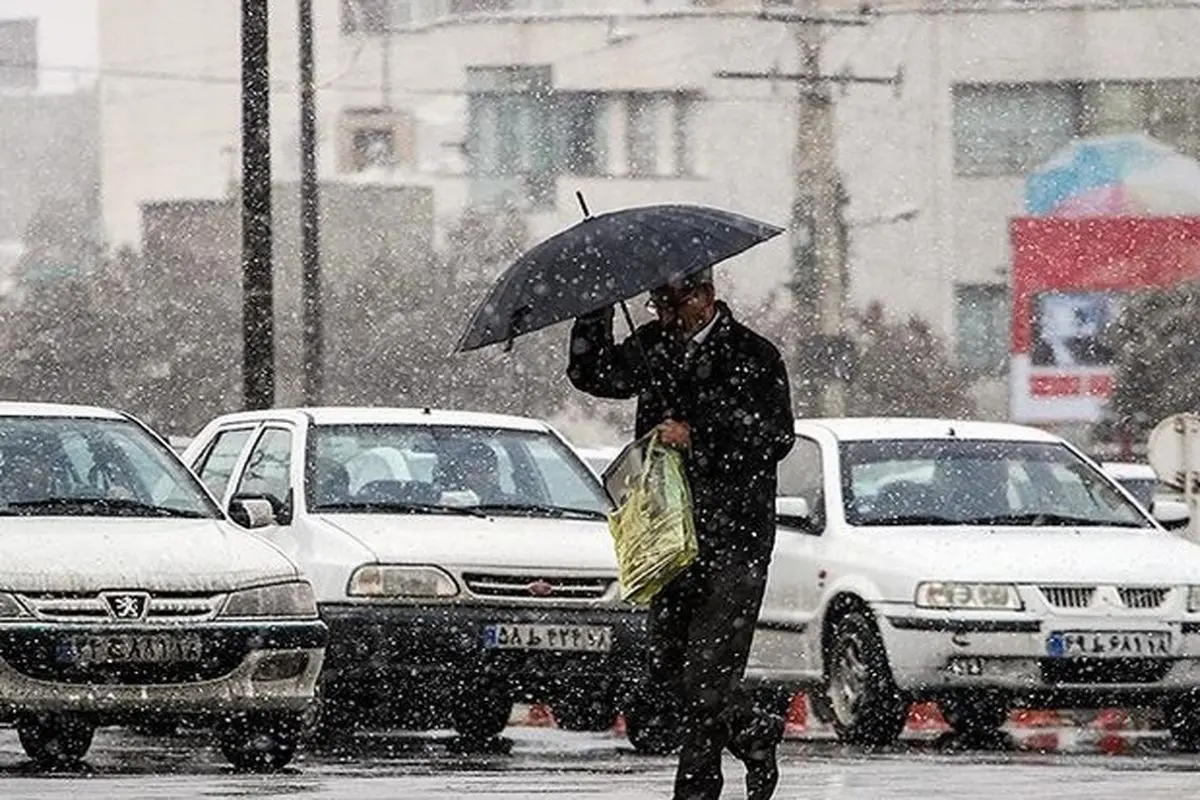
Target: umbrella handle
654,385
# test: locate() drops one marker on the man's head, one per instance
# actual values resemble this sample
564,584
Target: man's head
685,305
476,467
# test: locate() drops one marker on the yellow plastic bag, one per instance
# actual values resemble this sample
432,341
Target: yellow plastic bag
653,530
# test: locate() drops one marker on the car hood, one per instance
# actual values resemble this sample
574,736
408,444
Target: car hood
86,554
498,541
1024,555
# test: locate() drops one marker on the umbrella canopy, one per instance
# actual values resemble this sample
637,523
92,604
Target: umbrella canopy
607,259
1127,175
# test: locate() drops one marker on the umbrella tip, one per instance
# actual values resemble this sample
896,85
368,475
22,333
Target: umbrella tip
583,205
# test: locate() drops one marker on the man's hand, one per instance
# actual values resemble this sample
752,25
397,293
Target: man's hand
676,434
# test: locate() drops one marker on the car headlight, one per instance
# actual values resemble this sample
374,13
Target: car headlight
294,599
10,607
385,580
946,594
1194,598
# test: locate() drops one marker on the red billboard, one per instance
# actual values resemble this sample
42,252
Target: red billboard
1069,279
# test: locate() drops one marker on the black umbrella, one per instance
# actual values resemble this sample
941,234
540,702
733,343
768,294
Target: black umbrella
605,260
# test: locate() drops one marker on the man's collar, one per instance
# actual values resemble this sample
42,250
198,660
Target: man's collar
699,336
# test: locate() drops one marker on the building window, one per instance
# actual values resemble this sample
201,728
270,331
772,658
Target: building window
18,54
581,135
642,128
373,147
659,134
981,323
1007,129
366,16
375,137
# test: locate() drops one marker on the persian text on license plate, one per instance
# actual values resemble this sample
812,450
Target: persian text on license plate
1108,644
578,638
130,649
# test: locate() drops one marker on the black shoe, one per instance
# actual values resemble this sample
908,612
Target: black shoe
762,773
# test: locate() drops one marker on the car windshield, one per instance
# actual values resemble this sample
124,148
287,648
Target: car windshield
93,467
966,482
427,468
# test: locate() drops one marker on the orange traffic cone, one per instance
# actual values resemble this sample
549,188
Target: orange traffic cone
926,717
540,716
797,716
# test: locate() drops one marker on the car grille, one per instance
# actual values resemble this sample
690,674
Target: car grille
162,606
1069,596
551,588
1104,670
1143,597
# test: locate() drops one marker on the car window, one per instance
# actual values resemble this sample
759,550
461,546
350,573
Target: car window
215,467
93,467
964,481
801,475
268,468
445,465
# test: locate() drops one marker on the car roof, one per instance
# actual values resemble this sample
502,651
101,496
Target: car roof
866,428
368,415
1125,470
18,409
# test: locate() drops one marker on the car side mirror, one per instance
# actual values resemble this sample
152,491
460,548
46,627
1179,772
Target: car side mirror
1171,514
793,511
252,512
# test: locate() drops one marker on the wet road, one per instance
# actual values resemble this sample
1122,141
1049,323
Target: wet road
547,763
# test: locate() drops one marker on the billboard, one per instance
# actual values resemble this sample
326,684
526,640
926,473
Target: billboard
1070,277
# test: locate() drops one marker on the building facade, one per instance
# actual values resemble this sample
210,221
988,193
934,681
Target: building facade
529,101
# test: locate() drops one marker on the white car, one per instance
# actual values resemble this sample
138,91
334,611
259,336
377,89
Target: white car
448,593
128,597
985,566
1142,482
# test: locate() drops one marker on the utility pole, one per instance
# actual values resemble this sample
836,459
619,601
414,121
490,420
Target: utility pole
258,332
310,255
817,225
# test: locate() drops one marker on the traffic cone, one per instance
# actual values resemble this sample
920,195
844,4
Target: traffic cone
1043,742
926,717
540,716
1036,718
797,717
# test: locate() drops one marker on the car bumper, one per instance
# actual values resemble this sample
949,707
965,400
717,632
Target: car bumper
243,668
442,645
932,654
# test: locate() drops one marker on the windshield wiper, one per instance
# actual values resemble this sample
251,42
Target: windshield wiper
393,507
1047,518
543,509
103,506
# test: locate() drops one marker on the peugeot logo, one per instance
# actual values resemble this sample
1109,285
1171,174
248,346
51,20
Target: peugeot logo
540,589
127,605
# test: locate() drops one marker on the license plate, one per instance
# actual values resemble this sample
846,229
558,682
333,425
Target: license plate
130,649
1108,644
578,638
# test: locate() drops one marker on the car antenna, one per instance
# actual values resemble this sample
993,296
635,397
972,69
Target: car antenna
951,431
426,410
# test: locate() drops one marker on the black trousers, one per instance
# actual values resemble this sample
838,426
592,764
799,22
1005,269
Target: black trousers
701,627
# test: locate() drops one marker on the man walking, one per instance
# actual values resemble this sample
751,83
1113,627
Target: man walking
719,392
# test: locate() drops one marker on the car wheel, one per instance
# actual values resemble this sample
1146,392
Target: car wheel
975,714
483,714
1183,720
55,740
866,706
586,714
259,744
